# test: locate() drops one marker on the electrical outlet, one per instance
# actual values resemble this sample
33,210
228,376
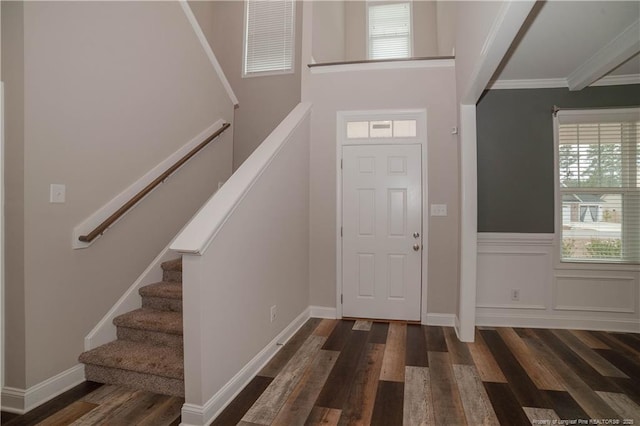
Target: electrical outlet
273,313
515,294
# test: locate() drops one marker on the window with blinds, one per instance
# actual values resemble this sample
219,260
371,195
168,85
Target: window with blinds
598,170
389,30
268,37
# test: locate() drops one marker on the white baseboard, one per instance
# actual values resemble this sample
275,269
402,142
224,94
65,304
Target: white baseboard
20,401
442,320
323,312
555,321
197,415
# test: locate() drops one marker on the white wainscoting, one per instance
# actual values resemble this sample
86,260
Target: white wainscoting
550,297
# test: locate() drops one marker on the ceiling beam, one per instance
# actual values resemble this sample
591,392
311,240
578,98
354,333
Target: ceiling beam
616,52
507,24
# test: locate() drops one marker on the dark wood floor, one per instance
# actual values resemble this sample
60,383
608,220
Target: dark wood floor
358,372
96,404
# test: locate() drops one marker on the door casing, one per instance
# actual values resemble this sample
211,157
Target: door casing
343,117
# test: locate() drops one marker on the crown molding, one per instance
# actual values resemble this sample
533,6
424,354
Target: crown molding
618,80
550,83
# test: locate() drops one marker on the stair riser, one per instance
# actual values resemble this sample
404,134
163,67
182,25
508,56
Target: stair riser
153,337
148,382
172,276
162,304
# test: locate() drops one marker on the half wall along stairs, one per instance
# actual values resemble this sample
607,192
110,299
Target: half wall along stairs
148,353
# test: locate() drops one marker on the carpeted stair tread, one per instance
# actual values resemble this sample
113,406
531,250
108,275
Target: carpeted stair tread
166,290
172,265
148,352
152,320
139,357
133,379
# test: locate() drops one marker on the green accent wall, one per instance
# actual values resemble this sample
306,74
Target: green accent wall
515,152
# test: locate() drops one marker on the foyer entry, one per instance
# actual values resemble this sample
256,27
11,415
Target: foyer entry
381,219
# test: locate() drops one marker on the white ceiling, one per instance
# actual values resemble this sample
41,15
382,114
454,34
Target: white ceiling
564,40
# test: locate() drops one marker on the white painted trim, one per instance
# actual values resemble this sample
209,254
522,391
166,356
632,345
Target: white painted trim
538,83
557,321
510,306
421,138
506,26
196,237
441,320
323,312
208,51
592,277
197,415
617,51
386,65
105,331
514,239
119,200
20,401
2,266
551,83
468,224
617,80
306,50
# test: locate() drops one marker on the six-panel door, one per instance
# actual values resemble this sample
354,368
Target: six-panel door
382,232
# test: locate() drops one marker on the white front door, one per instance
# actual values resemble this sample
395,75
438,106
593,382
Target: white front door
382,231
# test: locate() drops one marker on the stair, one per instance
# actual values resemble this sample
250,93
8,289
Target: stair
148,353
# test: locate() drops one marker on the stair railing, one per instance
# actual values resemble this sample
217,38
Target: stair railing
100,229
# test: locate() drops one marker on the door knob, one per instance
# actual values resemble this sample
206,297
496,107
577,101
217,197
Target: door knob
416,235
416,247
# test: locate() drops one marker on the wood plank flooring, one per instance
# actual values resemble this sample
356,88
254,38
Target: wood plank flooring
376,373
93,403
346,372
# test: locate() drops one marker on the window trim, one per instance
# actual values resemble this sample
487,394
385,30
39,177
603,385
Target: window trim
599,264
245,31
384,2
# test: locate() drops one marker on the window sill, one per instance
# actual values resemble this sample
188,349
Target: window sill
593,266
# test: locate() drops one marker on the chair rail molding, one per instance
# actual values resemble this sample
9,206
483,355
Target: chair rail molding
549,294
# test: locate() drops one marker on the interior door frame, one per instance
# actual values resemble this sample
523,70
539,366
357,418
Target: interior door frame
343,117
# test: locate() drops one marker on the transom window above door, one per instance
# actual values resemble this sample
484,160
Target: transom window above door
382,129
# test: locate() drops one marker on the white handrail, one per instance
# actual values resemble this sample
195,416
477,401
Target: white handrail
198,234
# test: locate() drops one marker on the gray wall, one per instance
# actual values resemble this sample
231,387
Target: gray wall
515,152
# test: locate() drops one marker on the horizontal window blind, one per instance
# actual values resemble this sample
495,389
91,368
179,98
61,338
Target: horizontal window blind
599,175
389,30
269,36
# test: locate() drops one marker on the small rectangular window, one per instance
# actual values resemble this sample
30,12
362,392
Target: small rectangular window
389,30
357,129
404,128
380,129
268,37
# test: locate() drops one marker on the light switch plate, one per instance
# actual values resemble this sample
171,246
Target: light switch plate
438,209
57,193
